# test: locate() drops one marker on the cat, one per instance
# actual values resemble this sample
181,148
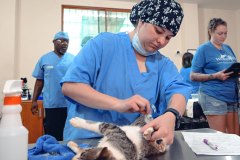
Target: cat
118,142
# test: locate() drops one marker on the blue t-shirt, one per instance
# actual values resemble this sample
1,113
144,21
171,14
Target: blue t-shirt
108,64
51,68
208,60
185,73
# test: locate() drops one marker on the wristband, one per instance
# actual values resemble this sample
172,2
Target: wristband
177,115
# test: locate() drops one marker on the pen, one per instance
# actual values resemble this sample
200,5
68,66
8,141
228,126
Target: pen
211,145
154,110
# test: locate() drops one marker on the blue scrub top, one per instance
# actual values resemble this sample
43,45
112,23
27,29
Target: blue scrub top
108,64
51,68
209,60
185,73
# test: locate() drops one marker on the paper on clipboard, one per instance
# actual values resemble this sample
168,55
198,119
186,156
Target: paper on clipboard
228,144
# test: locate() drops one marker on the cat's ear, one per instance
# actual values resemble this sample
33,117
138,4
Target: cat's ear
105,154
97,154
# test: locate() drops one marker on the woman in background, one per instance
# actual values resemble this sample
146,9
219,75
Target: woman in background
218,90
186,69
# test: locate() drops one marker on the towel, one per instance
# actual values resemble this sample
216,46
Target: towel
48,148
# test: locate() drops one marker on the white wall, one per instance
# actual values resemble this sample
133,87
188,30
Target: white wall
8,42
190,36
27,29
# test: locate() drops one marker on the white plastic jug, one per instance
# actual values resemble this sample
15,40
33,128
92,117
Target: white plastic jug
13,135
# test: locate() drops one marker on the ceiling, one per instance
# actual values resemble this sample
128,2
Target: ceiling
213,4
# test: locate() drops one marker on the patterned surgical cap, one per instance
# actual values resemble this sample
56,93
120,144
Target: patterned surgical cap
163,13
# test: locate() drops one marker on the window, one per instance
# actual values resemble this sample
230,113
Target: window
83,23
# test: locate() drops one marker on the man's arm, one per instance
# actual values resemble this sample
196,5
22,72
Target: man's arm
37,91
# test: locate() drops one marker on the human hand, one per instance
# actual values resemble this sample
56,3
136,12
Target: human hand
164,128
221,75
34,108
133,104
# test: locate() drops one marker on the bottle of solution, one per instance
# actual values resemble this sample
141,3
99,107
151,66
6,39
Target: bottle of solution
13,135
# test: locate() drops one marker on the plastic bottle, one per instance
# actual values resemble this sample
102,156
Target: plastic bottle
13,135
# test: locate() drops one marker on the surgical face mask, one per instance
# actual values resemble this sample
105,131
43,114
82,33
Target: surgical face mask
138,47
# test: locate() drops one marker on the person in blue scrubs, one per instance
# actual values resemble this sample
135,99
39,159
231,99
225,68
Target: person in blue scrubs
49,70
186,70
218,90
117,76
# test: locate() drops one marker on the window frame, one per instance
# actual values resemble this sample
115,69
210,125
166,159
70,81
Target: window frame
91,8
104,27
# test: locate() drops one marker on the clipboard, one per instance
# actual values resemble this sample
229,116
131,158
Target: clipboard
235,68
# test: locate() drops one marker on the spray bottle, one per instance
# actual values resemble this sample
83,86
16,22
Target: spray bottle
13,135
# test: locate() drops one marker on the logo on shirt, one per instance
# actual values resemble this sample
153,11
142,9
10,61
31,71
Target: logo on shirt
225,58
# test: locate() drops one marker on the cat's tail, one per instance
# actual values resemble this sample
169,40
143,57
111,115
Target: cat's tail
85,124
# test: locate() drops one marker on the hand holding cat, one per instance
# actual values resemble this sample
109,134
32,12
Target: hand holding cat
133,104
164,128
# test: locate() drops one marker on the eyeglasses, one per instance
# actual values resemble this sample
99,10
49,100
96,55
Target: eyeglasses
62,41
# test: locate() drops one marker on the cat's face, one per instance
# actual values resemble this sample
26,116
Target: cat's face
158,144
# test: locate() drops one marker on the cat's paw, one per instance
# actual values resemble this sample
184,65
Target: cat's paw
76,122
73,146
148,133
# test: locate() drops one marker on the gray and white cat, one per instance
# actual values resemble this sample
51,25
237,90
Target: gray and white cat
118,142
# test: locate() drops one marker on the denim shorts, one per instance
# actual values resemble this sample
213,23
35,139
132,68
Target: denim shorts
213,106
